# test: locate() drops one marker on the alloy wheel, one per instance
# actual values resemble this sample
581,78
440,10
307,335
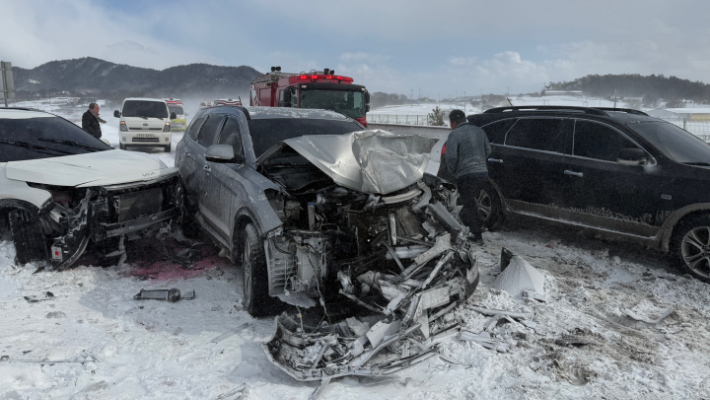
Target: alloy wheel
695,249
485,205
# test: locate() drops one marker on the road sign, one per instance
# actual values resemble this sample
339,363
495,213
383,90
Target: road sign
7,83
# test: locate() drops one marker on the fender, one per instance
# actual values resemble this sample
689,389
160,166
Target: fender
666,231
18,192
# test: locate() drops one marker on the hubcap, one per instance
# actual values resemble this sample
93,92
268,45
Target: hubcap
695,249
484,205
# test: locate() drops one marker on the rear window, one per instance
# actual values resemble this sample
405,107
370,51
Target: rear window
538,134
34,138
177,110
143,108
267,132
496,131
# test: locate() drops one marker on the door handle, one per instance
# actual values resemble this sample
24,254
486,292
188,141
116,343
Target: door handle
572,173
496,160
207,168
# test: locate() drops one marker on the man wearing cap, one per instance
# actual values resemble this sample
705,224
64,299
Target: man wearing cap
90,121
467,149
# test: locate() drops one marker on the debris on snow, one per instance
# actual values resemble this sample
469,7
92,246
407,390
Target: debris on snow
171,295
518,276
35,299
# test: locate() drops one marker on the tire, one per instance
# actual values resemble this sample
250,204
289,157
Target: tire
188,224
690,245
490,208
168,148
122,146
256,286
30,242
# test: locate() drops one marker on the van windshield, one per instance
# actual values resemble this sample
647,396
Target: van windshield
144,109
177,110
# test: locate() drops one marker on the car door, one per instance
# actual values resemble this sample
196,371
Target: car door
186,161
228,195
205,138
609,194
527,167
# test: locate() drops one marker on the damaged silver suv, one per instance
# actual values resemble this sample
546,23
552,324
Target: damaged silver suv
61,189
318,208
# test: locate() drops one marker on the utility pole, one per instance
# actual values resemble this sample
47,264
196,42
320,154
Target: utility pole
614,98
7,83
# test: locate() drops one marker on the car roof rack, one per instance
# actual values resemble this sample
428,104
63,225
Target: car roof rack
626,110
585,110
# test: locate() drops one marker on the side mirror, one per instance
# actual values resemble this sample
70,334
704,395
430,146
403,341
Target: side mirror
367,108
367,97
631,156
173,115
287,96
116,114
223,153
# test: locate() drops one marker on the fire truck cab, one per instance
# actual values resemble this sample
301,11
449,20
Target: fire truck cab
315,89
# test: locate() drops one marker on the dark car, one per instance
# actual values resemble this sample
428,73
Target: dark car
616,171
316,206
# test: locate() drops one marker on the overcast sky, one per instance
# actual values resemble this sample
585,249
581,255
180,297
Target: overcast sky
441,47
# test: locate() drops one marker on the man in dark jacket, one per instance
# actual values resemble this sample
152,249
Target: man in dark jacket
467,149
90,121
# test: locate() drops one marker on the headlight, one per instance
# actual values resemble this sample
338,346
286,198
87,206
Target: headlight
124,128
166,128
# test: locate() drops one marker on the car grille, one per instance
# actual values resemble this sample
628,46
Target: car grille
132,205
146,140
146,129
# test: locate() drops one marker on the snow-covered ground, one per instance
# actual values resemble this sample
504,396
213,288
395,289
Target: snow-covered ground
91,340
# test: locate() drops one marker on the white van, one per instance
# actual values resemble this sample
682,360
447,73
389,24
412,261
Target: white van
145,122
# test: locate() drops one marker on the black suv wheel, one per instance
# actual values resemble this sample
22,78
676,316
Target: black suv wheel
691,244
489,207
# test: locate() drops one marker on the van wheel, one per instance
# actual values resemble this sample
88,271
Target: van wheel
489,207
168,148
256,286
122,146
30,242
691,244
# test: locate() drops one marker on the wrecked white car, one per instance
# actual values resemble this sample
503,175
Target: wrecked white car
349,219
61,189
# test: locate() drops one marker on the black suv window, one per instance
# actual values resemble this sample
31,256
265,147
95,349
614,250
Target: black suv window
195,126
496,131
538,133
593,140
209,130
33,138
231,135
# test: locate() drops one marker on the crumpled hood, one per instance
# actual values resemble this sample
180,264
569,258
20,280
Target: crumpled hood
372,161
109,167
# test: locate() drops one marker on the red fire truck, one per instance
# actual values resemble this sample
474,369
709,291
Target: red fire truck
315,89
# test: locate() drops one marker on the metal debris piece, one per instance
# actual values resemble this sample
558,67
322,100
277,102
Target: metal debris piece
638,317
238,391
171,295
487,311
44,297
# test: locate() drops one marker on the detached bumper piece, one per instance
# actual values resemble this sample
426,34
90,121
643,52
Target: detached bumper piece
390,338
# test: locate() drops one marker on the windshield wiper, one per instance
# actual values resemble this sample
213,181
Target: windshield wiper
698,163
30,146
70,143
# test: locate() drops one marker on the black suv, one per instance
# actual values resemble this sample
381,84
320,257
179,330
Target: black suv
616,171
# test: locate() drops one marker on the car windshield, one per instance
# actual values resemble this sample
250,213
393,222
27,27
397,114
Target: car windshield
674,142
143,108
177,110
34,138
350,103
267,132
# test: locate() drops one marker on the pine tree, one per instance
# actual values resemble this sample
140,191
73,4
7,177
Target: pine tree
436,117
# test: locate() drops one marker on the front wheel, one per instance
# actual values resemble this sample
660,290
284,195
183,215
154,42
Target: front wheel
256,285
30,242
168,148
691,244
489,207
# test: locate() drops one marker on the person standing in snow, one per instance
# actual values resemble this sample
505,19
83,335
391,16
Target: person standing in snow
467,149
90,121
